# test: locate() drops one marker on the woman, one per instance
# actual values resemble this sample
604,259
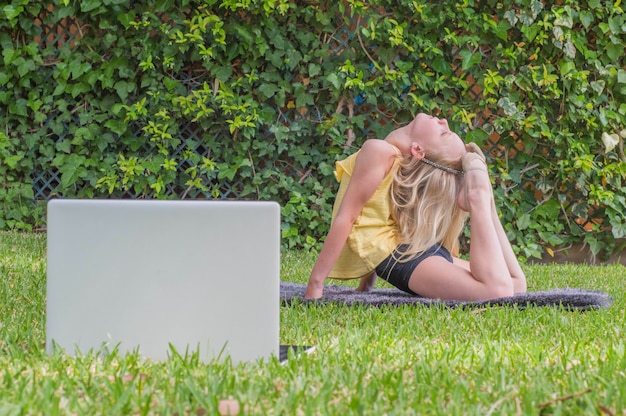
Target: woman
400,209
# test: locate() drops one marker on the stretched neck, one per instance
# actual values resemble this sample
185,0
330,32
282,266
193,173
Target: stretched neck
400,138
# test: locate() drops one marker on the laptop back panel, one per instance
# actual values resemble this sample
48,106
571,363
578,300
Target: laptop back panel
150,275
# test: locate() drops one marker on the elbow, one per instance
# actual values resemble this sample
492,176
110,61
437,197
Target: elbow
345,220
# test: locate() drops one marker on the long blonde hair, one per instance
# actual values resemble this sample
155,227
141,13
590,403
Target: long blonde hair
424,204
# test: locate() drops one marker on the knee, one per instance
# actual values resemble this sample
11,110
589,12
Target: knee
519,283
501,290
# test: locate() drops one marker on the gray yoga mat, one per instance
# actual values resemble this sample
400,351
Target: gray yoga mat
568,298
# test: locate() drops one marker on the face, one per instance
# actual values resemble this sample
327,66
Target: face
433,135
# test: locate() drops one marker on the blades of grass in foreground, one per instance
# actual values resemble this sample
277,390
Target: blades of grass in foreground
387,360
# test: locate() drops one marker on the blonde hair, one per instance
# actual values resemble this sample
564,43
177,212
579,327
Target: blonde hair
424,204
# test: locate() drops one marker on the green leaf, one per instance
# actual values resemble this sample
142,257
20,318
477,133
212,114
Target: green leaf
222,72
124,88
64,146
586,18
116,126
502,30
81,135
26,190
314,70
243,34
478,136
4,141
523,222
65,11
470,59
89,5
615,24
126,18
9,55
566,66
267,91
11,13
441,65
171,84
595,4
615,52
595,245
530,32
25,66
69,177
333,79
77,67
303,97
276,58
19,107
72,169
13,160
78,89
604,27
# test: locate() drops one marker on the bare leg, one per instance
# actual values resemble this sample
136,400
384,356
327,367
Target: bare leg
492,270
367,282
515,270
488,263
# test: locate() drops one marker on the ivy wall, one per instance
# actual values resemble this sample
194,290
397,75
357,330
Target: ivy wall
256,99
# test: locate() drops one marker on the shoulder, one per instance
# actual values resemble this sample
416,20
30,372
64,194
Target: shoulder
378,152
373,163
380,146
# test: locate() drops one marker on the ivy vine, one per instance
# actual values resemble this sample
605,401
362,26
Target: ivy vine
257,99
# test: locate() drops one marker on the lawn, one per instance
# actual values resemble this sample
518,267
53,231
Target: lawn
373,361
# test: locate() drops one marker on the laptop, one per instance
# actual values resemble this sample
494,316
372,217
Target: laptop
160,277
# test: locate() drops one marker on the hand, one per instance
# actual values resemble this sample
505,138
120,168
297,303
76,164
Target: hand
472,147
314,290
474,163
474,158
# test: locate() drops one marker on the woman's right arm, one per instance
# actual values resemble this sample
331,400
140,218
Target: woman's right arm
371,166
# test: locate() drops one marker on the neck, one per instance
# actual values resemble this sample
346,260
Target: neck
401,139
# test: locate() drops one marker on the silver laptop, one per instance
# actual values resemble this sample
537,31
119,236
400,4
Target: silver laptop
162,276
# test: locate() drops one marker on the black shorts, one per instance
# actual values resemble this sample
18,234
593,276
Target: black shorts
398,273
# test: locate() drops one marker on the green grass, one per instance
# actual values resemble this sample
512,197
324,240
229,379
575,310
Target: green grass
388,360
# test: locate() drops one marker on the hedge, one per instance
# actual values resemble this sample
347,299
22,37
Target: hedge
256,99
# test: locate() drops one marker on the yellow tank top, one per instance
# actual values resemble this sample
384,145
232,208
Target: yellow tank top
374,234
